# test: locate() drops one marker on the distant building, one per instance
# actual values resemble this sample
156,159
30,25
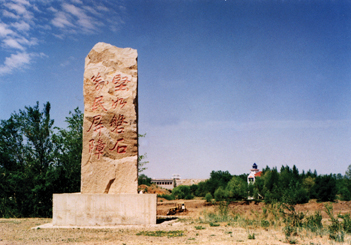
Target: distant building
175,181
255,172
164,183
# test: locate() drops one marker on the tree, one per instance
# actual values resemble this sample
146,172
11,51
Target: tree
12,169
27,163
348,172
144,180
36,127
236,189
182,192
68,154
208,197
325,188
35,163
141,163
220,194
217,179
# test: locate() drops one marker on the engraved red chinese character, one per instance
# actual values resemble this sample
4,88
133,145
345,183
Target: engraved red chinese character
98,102
97,123
117,123
121,149
99,148
119,101
120,82
98,82
91,145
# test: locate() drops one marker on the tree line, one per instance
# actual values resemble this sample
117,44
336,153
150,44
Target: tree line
286,186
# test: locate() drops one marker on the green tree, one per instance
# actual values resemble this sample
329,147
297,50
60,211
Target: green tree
220,194
141,158
236,189
68,154
325,188
217,179
144,180
28,172
35,163
208,197
348,172
36,127
182,192
12,169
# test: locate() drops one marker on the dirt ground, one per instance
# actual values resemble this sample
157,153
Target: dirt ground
189,228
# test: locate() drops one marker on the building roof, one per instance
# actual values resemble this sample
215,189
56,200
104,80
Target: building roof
258,174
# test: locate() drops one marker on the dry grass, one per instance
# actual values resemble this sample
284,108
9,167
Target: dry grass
234,229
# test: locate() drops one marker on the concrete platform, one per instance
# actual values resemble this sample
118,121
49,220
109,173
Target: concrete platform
103,209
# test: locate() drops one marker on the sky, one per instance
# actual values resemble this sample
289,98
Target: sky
222,84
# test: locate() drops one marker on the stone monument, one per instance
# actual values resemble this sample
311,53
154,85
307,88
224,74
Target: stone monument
110,136
109,178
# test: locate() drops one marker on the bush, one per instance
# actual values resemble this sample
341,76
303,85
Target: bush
220,194
167,197
182,192
144,180
208,197
325,188
236,189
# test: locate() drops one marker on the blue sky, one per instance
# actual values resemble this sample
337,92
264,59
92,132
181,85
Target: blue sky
222,84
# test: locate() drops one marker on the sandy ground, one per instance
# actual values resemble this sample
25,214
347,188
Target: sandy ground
188,229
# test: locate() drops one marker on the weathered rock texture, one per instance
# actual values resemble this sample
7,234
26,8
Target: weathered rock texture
110,137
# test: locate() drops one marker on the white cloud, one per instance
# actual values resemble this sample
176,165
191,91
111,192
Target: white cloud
14,61
83,19
13,43
19,8
52,9
23,2
61,20
77,1
70,17
4,31
10,15
21,26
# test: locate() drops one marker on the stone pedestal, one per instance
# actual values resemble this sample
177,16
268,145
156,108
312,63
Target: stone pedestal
104,209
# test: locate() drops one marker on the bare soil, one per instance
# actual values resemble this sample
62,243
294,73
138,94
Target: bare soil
187,229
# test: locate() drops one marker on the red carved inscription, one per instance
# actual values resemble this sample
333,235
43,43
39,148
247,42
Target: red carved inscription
121,149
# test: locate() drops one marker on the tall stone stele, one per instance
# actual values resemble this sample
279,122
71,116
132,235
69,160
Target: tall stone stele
110,136
109,187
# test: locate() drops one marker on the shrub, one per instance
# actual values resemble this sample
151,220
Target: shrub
335,228
314,222
144,180
167,197
236,189
219,194
182,192
200,227
208,197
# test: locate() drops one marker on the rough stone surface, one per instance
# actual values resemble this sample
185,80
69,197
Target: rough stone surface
110,137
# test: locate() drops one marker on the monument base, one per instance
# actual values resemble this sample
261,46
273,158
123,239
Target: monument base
104,209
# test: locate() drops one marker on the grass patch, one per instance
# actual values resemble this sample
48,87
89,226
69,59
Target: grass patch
251,236
161,233
200,227
10,221
214,224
